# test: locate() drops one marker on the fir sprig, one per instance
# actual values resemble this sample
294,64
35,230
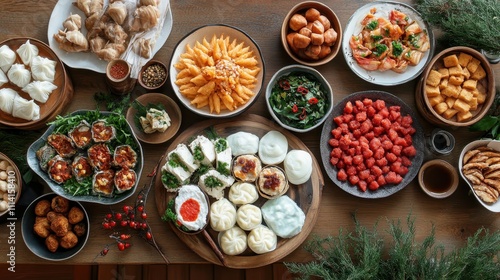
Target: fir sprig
471,23
359,255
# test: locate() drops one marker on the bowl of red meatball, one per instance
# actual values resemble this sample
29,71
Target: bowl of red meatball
372,144
311,33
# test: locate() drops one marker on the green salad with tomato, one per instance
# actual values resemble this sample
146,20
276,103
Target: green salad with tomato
299,100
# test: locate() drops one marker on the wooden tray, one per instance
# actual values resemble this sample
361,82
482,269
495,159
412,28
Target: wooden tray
58,98
307,195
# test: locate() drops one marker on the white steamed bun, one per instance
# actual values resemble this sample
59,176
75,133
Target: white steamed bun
243,143
298,166
283,216
273,147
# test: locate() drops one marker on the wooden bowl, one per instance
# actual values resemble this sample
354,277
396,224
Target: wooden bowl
52,107
488,83
172,109
301,8
15,184
142,80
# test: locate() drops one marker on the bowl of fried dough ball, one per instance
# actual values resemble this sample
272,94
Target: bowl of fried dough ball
55,228
311,33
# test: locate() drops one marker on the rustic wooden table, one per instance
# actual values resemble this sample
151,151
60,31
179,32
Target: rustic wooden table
455,218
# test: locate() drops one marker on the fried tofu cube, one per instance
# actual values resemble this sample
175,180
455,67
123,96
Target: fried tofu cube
464,116
443,84
448,114
465,95
433,101
455,71
452,90
432,91
473,103
445,73
473,64
481,97
470,84
461,106
466,73
450,101
450,61
479,74
433,78
441,108
464,59
456,80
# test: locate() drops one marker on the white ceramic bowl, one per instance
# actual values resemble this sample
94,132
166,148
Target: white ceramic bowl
304,69
494,144
207,32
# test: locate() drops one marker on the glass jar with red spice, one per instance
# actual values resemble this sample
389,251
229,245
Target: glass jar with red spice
118,76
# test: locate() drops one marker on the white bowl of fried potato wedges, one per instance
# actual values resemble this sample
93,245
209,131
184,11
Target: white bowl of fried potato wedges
458,87
479,166
217,71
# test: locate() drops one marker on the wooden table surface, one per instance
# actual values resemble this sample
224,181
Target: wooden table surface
455,218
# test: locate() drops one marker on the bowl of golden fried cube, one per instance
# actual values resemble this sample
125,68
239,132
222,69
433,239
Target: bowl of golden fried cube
457,88
55,228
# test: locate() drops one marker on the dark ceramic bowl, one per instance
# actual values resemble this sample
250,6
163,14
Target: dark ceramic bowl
418,143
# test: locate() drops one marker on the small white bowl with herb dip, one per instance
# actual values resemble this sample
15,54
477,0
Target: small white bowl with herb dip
299,98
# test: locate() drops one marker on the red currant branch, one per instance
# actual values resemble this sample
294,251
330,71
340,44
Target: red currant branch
132,220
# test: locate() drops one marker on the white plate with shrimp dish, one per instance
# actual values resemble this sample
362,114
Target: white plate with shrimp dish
387,43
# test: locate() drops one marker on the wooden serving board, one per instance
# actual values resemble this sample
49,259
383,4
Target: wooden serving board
58,98
307,195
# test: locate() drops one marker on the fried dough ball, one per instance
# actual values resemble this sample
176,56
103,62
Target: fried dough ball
80,229
42,227
42,208
52,243
75,215
312,14
52,215
69,240
60,204
297,21
300,41
60,225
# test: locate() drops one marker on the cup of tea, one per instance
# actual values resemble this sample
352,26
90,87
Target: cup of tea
438,178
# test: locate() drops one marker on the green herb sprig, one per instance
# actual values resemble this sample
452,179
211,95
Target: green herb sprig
490,123
471,23
360,255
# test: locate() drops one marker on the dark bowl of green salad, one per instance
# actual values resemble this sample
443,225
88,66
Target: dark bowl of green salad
299,98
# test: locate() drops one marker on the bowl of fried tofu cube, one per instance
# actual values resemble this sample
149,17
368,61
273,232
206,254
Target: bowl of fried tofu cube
457,88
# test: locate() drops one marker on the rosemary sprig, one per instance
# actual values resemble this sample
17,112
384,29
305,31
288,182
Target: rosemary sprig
471,23
359,255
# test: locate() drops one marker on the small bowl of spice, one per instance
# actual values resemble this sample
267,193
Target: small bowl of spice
118,76
153,75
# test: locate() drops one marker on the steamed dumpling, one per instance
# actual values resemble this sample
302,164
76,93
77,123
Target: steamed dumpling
249,217
3,78
25,109
19,75
43,69
262,240
298,166
7,58
243,143
27,52
222,215
40,90
283,216
233,241
7,96
242,193
273,147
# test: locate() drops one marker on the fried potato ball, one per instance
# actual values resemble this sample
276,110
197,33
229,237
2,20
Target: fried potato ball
60,225
42,227
75,215
52,243
60,204
42,208
80,229
52,215
69,240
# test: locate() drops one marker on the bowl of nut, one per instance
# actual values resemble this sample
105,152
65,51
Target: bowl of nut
456,89
153,75
311,33
55,228
10,184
